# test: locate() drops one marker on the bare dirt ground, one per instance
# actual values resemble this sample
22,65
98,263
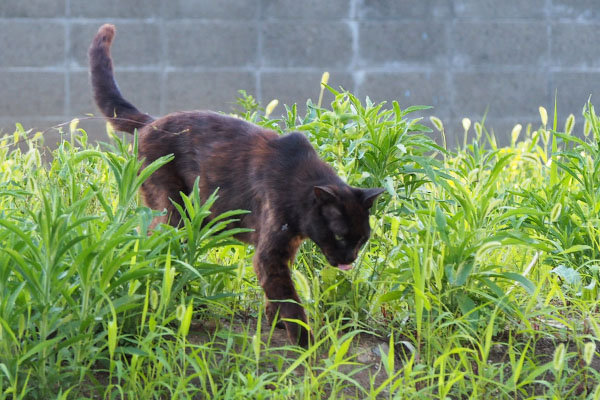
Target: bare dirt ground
365,351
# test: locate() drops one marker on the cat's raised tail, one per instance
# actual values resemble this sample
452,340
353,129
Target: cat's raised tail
122,115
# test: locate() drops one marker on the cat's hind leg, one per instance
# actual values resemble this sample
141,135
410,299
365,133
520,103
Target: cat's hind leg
159,192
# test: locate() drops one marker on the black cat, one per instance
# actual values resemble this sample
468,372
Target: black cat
291,193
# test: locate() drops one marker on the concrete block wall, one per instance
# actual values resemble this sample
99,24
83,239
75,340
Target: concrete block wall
463,57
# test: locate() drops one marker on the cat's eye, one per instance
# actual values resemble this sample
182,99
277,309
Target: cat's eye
339,238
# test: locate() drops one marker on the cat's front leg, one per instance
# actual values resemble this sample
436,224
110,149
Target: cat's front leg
271,265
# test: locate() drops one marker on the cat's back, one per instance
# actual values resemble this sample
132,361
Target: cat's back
202,132
207,125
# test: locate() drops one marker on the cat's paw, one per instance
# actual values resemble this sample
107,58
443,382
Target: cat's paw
298,334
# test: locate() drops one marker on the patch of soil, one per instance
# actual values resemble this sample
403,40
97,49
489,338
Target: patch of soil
365,366
543,353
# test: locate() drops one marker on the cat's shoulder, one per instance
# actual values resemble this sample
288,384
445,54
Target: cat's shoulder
293,147
294,140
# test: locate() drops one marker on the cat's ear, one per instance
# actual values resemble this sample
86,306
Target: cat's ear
325,194
369,196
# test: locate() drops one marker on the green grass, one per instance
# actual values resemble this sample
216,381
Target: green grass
480,279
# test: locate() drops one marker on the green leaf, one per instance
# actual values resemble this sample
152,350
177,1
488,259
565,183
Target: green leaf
575,248
440,220
390,296
513,276
467,306
464,270
411,109
568,274
39,347
342,350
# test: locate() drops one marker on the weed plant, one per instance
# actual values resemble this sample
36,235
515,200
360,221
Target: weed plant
480,279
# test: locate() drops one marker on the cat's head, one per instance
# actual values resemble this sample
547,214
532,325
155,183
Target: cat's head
339,221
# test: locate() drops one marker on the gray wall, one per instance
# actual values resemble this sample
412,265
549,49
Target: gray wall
459,56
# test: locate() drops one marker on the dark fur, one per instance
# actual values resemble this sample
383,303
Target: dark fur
291,193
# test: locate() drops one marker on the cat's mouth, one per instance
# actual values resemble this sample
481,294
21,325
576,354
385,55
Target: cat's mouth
344,267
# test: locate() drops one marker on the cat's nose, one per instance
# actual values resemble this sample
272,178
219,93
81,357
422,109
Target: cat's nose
349,258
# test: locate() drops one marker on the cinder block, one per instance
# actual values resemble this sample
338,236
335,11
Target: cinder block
576,9
213,90
394,9
575,45
209,9
507,9
506,94
308,9
136,44
115,8
573,90
27,44
500,43
407,50
291,87
307,44
32,8
141,88
408,88
212,44
32,94
396,43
